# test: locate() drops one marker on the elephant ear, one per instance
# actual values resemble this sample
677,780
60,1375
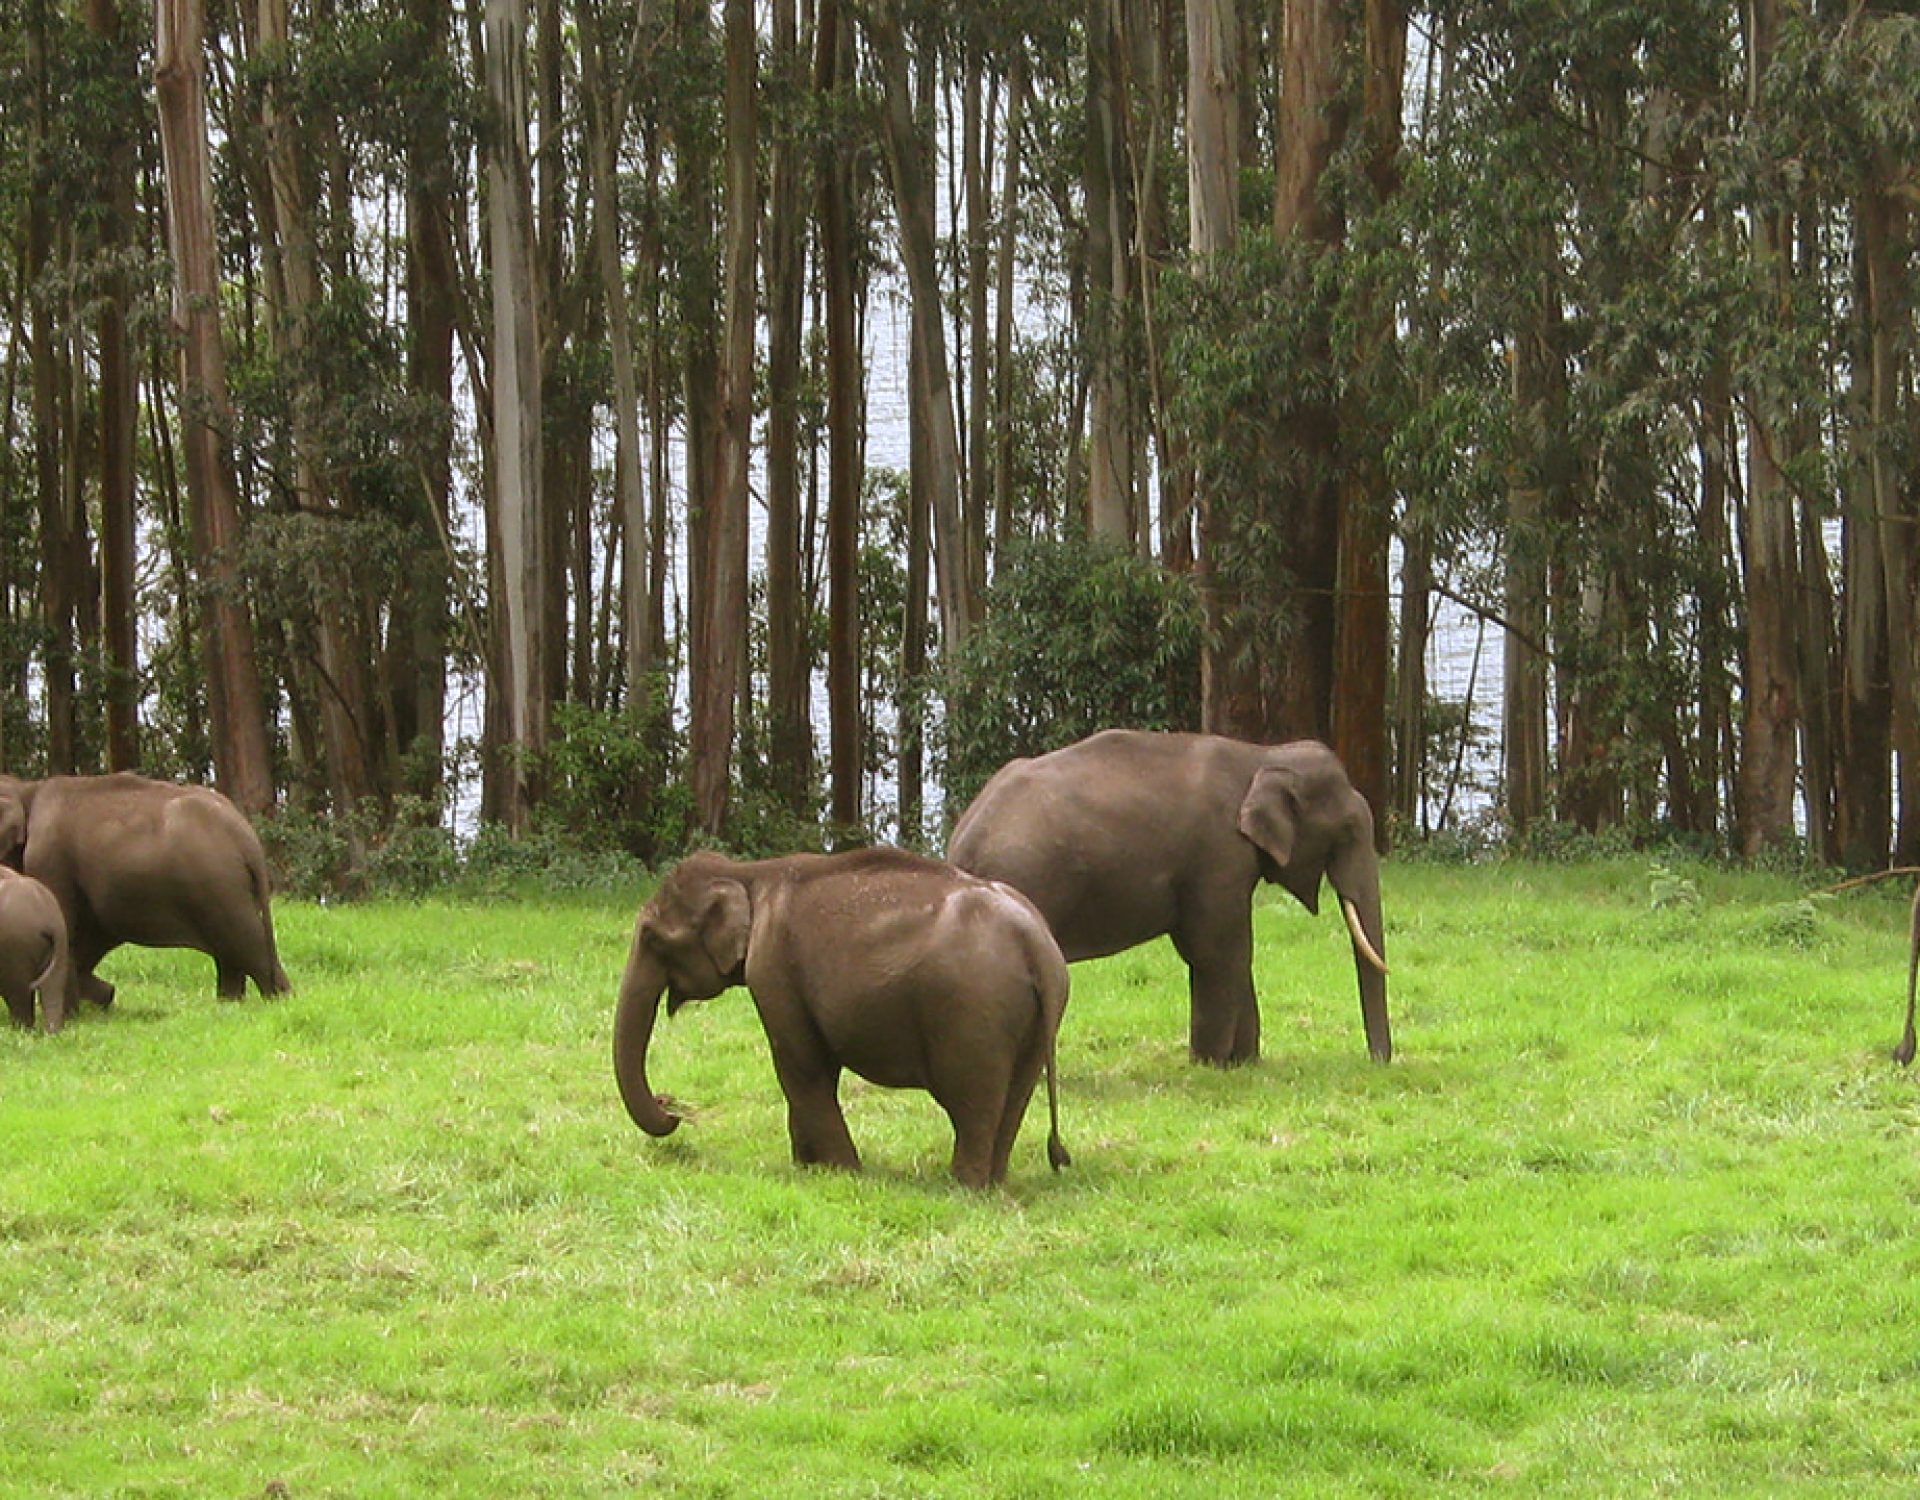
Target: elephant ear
1270,812
725,924
1270,820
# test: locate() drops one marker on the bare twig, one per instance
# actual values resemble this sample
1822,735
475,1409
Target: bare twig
1858,880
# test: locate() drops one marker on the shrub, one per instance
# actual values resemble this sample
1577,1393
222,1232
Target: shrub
1077,637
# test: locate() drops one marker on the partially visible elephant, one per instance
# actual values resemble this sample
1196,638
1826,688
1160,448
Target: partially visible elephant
1903,1054
33,952
901,968
132,860
1129,834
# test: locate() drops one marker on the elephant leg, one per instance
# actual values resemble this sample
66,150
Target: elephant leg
20,1007
1026,1074
242,947
976,1092
815,1125
1223,1026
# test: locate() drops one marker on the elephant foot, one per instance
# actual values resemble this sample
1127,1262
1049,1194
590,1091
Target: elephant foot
1232,1057
96,990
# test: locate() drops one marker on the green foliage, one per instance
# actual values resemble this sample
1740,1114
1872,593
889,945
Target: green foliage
1632,1187
1667,889
1076,637
613,779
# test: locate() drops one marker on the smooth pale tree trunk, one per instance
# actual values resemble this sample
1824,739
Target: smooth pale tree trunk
1003,308
236,706
1230,699
48,356
606,108
977,134
519,512
833,75
913,188
790,736
716,689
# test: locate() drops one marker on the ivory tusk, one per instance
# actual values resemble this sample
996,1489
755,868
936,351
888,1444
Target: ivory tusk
1366,948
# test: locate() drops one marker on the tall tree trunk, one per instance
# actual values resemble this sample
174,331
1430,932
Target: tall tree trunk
606,110
334,607
1111,485
978,136
419,662
1716,635
1539,378
1229,677
1362,642
1311,126
790,734
237,709
716,687
833,76
119,416
913,631
57,582
1003,321
913,196
519,543
1887,243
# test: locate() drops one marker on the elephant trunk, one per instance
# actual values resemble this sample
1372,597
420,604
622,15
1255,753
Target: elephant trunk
1357,882
640,991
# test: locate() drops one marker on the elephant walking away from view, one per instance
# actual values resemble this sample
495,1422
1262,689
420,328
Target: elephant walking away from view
33,952
901,968
1904,1052
131,860
1129,834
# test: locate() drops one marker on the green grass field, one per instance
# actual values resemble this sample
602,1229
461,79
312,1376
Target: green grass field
1635,1210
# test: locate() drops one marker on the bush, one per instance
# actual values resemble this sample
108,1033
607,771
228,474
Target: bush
613,781
1077,637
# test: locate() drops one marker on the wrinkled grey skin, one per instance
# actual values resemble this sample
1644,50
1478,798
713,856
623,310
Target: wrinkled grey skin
898,967
131,860
1903,1054
1128,834
33,952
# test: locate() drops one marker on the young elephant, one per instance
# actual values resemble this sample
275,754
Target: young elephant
137,861
33,951
907,971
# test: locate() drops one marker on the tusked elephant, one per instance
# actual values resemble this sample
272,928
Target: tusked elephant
33,952
901,968
1130,834
132,860
1903,1054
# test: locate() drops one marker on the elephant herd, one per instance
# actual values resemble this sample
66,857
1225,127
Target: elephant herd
949,977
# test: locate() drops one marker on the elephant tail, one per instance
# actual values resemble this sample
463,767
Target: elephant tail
1052,991
275,982
56,958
